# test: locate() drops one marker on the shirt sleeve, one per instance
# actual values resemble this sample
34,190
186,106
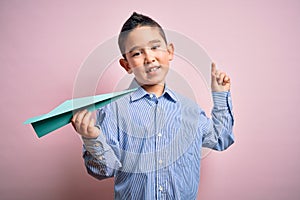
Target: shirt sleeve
218,131
100,158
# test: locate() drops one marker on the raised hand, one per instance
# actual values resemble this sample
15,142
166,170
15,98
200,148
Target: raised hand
220,81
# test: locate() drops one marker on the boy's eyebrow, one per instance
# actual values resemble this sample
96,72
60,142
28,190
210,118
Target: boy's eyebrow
154,41
133,48
137,47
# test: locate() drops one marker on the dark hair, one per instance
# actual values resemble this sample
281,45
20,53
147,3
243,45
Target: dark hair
134,21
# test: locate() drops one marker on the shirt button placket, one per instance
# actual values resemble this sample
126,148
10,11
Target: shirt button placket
160,160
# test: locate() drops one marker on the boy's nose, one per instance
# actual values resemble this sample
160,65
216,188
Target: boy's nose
149,57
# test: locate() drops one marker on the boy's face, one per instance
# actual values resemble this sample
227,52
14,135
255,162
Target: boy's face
147,56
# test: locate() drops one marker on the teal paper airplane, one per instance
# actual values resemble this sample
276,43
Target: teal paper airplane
62,114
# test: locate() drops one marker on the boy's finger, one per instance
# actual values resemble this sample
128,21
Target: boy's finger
226,79
73,121
80,116
74,117
76,120
221,78
85,121
213,68
91,125
76,113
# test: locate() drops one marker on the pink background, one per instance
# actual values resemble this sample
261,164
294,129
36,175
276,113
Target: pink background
43,43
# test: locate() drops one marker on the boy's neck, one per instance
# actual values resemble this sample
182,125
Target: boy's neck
155,89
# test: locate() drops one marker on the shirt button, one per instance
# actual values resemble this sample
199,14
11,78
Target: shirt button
160,188
159,135
151,96
97,145
100,157
160,161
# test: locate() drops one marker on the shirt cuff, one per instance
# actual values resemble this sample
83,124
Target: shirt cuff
96,146
100,150
221,99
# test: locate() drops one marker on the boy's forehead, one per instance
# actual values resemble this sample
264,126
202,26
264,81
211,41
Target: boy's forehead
142,36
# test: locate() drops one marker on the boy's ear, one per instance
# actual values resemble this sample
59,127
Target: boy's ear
170,49
124,63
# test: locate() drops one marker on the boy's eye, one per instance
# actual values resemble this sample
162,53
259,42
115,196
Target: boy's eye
134,54
155,47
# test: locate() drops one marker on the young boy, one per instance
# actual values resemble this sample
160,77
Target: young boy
150,140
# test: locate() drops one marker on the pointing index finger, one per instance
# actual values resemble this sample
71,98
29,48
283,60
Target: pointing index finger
213,68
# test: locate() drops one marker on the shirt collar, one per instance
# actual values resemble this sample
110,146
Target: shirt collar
140,93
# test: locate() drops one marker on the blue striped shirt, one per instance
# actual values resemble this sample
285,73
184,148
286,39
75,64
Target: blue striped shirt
152,146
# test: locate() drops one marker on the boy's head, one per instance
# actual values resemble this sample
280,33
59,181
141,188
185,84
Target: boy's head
145,51
134,21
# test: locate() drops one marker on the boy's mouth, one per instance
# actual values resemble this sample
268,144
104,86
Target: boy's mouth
152,69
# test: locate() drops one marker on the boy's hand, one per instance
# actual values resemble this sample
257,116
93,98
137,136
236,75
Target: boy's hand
220,82
84,124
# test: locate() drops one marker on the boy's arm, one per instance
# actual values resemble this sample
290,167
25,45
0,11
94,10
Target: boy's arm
100,158
218,131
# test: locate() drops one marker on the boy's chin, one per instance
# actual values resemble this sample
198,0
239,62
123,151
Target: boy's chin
151,83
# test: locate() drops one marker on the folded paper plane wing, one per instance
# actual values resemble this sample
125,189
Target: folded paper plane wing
62,114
